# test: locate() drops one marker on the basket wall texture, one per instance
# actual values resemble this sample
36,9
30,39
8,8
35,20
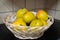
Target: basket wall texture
29,34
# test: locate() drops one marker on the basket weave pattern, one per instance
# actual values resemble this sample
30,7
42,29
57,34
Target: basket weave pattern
29,34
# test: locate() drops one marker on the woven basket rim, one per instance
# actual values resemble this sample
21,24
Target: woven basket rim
4,20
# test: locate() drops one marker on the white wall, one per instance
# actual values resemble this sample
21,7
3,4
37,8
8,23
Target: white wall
9,6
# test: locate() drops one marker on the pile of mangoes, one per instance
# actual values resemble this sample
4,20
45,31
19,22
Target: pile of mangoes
26,18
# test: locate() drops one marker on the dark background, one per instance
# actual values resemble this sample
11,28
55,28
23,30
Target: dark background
53,33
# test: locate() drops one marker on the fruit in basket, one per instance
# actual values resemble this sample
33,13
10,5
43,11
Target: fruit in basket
25,29
28,17
41,14
19,21
21,12
16,28
44,22
22,28
36,23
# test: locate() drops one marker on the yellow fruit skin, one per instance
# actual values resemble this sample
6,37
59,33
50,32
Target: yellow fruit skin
36,23
21,12
16,28
41,14
24,28
28,17
19,21
34,29
19,29
44,22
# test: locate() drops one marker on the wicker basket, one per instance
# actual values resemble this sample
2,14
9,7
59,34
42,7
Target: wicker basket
26,34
